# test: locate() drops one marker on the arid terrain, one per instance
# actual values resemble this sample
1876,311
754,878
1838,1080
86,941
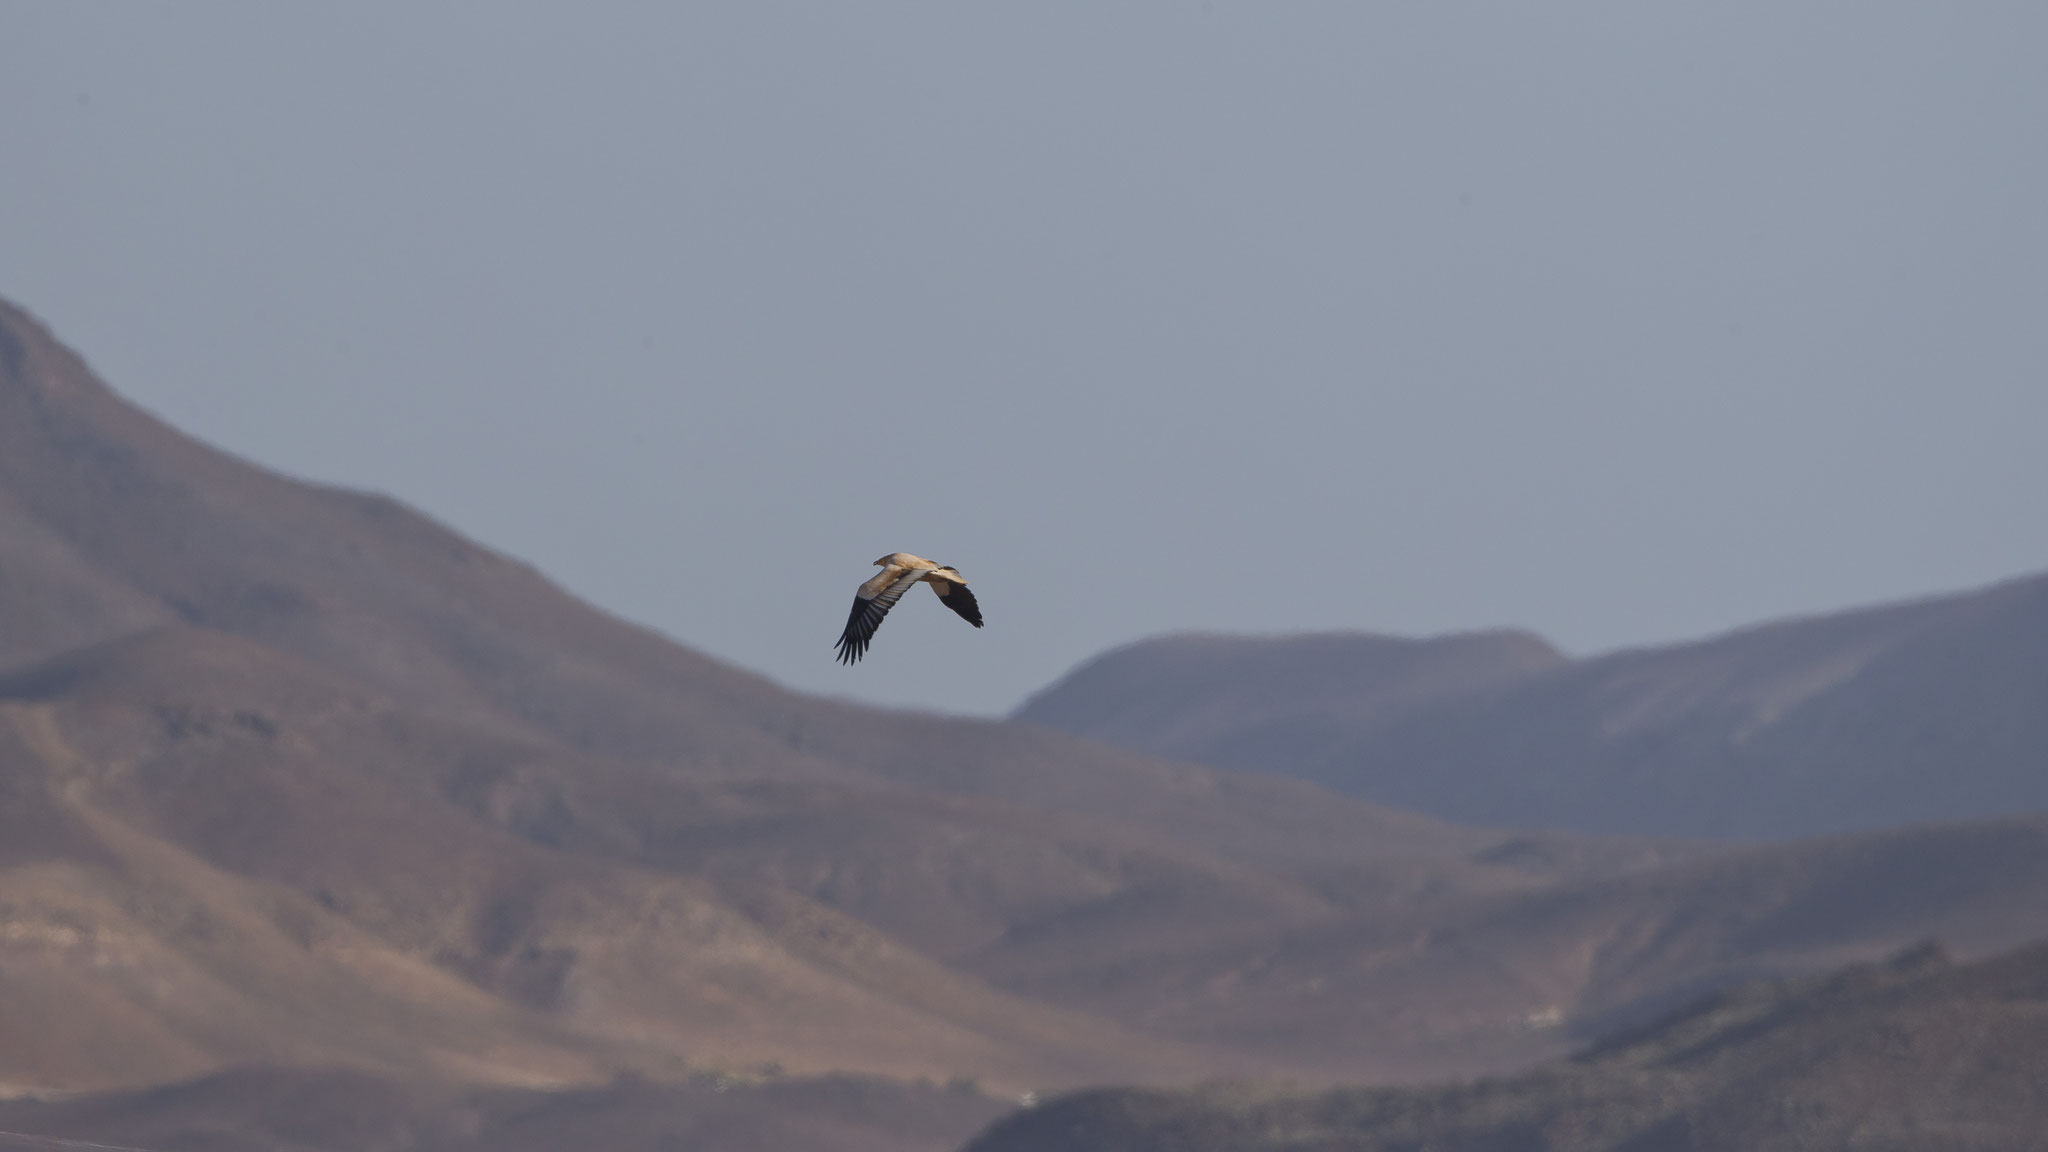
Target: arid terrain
304,797
1913,1053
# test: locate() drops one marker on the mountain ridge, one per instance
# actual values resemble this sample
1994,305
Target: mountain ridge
1806,726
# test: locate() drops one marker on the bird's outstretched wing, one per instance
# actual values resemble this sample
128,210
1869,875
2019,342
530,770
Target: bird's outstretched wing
870,604
959,599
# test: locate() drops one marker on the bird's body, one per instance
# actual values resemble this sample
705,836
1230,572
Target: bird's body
899,571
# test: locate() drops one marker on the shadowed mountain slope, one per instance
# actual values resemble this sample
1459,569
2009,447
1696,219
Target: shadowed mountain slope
1933,710
1424,981
1911,1054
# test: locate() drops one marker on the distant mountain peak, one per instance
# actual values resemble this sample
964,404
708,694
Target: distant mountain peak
33,362
1936,708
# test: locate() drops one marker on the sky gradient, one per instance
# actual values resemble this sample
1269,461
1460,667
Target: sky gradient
1622,323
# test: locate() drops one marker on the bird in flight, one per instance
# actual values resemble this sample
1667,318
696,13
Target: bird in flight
899,571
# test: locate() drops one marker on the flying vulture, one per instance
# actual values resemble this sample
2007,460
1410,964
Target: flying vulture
899,571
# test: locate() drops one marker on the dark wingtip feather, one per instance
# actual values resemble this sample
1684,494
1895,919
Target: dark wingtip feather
962,602
853,641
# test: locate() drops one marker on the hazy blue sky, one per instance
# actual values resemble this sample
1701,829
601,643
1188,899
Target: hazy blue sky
1622,322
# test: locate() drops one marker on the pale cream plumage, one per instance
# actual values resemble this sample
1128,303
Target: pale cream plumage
901,570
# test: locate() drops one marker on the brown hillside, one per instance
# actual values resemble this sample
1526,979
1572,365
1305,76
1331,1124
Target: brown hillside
339,832
1914,1054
